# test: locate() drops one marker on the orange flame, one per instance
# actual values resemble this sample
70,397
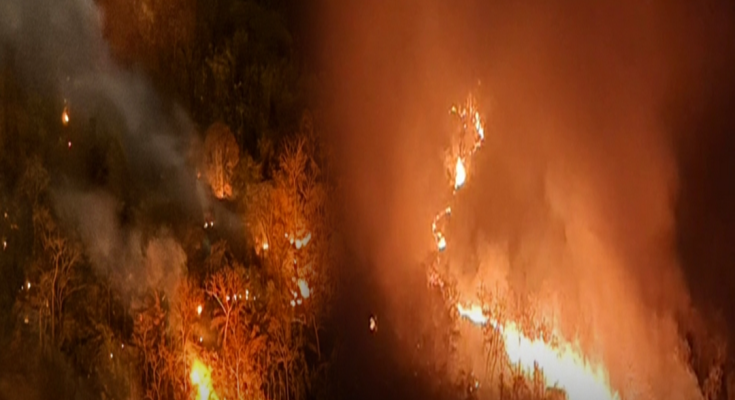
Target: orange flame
201,377
563,364
65,117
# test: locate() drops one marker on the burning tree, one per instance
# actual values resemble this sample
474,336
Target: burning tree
186,312
221,156
518,346
291,229
235,371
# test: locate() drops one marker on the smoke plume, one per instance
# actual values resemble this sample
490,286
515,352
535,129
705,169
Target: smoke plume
59,49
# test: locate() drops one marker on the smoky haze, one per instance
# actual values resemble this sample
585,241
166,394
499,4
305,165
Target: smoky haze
59,50
571,200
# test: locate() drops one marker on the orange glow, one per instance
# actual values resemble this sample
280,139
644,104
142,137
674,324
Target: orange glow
563,364
304,288
201,377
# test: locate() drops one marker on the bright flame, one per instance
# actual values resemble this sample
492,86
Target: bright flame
199,309
459,174
563,365
304,288
65,117
201,377
474,314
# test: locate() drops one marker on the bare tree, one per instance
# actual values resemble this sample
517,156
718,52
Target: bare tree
241,341
186,310
57,277
150,340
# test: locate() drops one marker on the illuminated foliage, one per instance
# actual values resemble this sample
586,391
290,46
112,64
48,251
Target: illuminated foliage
150,340
221,156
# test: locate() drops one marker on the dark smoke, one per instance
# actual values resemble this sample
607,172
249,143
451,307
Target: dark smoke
58,48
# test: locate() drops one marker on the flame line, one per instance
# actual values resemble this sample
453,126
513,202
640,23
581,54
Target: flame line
563,365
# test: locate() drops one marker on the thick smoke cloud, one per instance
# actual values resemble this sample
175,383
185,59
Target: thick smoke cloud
132,262
572,198
59,49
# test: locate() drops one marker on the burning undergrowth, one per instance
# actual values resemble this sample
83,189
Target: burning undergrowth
564,224
560,292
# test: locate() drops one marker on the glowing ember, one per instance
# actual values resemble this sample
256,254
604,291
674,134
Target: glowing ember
65,117
373,323
201,377
304,289
68,144
478,126
442,243
265,245
459,174
28,285
5,244
199,309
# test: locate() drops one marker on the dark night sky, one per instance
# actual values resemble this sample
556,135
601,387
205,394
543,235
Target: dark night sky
706,209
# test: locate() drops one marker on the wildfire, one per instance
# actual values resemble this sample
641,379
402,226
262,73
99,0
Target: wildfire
459,174
563,365
201,377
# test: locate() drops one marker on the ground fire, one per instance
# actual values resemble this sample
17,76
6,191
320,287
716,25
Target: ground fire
562,363
201,378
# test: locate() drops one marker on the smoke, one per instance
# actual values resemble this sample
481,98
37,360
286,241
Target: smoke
132,260
59,49
571,200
